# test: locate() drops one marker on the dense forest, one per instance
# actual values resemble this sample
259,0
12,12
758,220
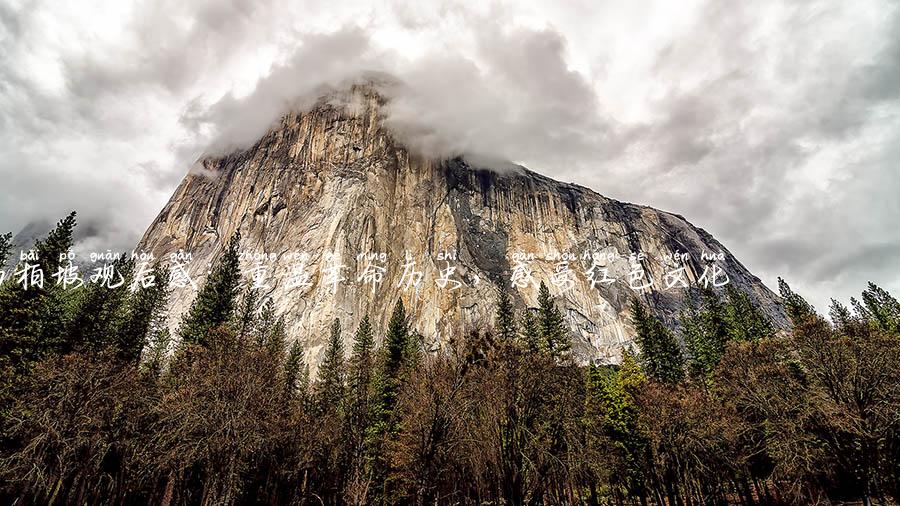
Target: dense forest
99,404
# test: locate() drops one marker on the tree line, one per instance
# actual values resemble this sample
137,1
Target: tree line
101,405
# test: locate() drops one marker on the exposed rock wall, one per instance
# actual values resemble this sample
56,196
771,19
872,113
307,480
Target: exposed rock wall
333,181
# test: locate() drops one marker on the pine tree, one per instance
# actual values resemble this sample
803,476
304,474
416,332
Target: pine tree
158,341
612,406
554,333
705,332
361,362
57,242
330,384
506,318
5,247
883,308
214,305
661,356
33,318
396,340
798,310
714,321
246,315
390,372
700,354
840,315
860,310
294,368
269,329
145,307
276,343
744,320
100,310
530,332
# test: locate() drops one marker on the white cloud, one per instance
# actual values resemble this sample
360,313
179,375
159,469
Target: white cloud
774,125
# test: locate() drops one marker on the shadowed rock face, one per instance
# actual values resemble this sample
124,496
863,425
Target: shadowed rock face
333,183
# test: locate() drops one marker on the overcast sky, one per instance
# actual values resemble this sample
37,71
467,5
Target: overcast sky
773,125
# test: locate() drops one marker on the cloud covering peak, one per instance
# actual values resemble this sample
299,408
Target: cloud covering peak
774,125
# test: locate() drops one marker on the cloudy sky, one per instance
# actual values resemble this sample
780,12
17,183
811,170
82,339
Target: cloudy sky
773,125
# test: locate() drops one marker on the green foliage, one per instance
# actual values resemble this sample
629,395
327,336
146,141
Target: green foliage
805,418
553,330
99,310
144,315
661,356
613,410
363,342
57,243
707,330
530,332
744,320
362,361
882,308
269,329
796,307
505,319
295,369
5,247
159,341
215,302
391,374
330,383
395,353
840,315
33,318
246,314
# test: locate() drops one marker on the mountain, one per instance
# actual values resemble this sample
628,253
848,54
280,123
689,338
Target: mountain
334,183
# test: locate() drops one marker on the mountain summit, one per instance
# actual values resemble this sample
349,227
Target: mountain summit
338,220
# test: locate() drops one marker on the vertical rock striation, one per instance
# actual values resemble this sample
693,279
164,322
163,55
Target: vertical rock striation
333,183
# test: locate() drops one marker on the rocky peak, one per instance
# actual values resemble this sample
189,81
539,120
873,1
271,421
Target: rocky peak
332,187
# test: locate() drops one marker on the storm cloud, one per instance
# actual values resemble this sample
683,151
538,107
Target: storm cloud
773,125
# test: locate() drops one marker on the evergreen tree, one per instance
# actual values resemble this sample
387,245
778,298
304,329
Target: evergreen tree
330,384
611,405
840,315
505,321
276,342
394,361
883,308
530,333
796,306
385,425
145,307
5,248
294,368
701,354
158,341
57,243
860,310
214,305
246,315
100,310
362,362
714,321
743,319
33,318
268,329
553,329
707,330
660,355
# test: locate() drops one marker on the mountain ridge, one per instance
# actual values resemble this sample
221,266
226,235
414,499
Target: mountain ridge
336,179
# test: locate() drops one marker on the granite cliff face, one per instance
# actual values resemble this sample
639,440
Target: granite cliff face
334,184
